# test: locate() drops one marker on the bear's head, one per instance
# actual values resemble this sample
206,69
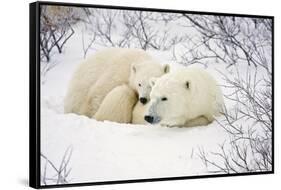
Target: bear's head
169,100
140,75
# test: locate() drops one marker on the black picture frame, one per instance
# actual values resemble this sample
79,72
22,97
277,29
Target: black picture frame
34,91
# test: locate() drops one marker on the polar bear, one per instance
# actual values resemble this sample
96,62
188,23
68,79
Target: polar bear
118,105
106,70
138,113
184,98
122,98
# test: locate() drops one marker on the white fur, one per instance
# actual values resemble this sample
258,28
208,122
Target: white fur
98,75
187,105
117,105
138,113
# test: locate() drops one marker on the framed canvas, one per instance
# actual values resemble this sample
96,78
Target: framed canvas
127,94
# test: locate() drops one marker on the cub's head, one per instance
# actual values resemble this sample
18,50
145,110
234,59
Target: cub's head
169,100
140,75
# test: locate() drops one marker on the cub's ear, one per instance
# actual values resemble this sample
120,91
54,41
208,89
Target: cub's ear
152,81
133,68
187,84
166,68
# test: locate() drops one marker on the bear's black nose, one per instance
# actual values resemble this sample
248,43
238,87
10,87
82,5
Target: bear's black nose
143,100
148,118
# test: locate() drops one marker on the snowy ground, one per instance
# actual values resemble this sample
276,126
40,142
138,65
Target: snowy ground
106,151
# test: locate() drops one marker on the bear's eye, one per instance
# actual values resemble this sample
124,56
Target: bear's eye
187,84
139,84
164,99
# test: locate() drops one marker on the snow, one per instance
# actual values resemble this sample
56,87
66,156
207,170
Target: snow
106,151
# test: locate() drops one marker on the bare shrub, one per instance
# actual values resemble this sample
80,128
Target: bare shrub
134,29
230,40
61,172
55,29
249,126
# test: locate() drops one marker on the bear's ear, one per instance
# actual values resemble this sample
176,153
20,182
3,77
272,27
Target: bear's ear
166,68
152,81
187,84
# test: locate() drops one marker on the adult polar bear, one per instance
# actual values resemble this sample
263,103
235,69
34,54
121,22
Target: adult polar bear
187,97
106,70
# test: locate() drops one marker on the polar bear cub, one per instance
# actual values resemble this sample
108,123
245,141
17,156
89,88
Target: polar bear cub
187,97
118,105
138,113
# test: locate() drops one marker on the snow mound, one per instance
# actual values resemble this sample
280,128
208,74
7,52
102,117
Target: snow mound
105,151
